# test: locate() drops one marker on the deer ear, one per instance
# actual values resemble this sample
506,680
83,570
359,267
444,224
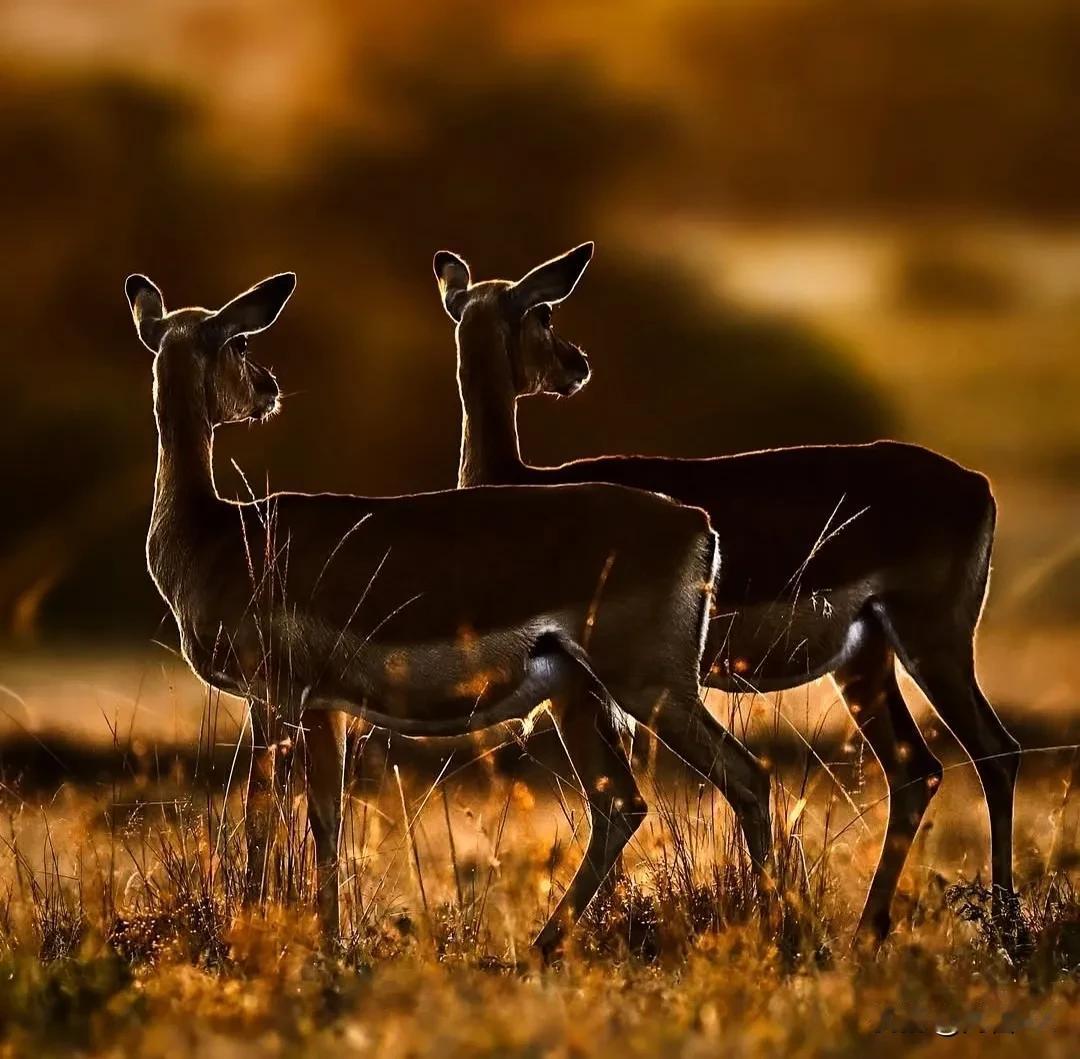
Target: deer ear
453,277
553,281
256,309
147,309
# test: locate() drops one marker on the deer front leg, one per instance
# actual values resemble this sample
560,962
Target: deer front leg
259,805
325,734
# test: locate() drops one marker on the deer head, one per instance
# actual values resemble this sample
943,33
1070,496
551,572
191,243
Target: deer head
540,361
210,348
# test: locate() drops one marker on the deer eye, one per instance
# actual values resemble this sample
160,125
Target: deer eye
240,345
543,314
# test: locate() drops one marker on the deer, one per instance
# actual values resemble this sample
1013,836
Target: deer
837,559
432,615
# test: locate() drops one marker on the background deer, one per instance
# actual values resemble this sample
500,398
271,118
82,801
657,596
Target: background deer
836,559
430,615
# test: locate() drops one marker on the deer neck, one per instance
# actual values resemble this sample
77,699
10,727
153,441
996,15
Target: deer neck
490,454
184,492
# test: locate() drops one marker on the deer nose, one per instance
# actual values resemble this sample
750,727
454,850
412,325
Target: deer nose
580,373
265,384
575,379
267,393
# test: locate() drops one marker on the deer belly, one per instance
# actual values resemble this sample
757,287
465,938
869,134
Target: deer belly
774,646
439,681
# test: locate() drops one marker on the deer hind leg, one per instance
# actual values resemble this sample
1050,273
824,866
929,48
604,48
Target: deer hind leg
682,723
634,745
941,659
260,804
325,734
912,773
595,747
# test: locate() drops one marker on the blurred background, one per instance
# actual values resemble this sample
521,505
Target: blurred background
816,221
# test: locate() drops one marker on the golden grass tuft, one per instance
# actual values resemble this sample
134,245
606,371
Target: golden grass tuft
123,929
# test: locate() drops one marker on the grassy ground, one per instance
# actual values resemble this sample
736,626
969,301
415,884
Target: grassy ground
122,929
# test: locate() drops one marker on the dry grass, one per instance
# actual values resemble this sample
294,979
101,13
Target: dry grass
122,929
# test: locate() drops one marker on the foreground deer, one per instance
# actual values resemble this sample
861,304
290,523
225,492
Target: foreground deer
430,615
836,559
